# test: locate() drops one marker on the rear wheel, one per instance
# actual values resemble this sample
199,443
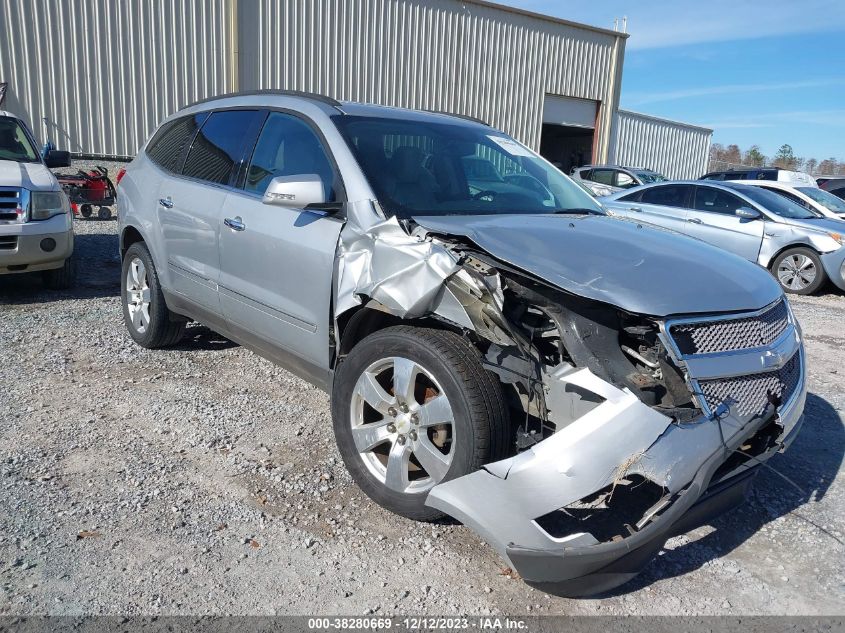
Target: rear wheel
150,323
104,213
413,407
86,210
799,271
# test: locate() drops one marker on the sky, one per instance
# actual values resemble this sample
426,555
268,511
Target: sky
764,72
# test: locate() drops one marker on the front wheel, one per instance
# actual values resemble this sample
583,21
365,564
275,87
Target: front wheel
61,278
414,407
150,323
799,271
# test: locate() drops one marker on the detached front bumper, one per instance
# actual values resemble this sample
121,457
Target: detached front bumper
35,246
695,467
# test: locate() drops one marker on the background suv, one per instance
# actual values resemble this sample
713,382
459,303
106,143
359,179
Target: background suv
36,225
496,347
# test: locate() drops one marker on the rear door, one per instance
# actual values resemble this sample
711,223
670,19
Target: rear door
277,266
189,205
713,219
662,205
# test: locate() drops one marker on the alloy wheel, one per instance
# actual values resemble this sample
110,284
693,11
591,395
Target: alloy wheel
138,295
402,425
796,272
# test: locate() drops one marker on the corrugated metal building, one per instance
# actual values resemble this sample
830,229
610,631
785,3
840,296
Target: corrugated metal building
677,150
104,72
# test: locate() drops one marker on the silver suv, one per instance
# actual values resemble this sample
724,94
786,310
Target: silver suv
575,387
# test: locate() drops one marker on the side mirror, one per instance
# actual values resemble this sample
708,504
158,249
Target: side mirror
747,213
57,158
296,192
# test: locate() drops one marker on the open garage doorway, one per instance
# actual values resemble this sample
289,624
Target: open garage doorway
568,134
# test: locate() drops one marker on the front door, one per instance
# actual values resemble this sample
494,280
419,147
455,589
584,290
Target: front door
277,262
713,219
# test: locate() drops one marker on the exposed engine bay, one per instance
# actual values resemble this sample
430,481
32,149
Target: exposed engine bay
614,427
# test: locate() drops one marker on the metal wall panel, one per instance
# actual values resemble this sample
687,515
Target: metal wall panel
676,150
105,72
468,57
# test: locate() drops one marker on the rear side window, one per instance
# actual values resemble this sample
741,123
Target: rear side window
216,152
289,147
717,201
667,195
603,176
166,146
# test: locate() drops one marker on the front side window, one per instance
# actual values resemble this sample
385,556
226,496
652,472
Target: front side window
14,142
666,195
216,151
776,204
424,167
824,198
716,201
625,180
166,146
287,146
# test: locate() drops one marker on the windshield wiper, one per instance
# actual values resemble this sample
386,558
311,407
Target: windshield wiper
577,211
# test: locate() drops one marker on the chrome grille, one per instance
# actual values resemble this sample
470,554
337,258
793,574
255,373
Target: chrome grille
11,205
750,395
708,337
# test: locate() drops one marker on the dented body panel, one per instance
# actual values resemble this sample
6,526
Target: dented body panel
625,264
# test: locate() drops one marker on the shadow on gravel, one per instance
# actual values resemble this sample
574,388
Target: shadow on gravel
811,464
97,275
200,338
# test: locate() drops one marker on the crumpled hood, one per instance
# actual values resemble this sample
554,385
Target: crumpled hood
636,268
32,176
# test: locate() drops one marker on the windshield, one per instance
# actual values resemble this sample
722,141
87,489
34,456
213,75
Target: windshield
14,142
649,176
824,198
420,167
776,204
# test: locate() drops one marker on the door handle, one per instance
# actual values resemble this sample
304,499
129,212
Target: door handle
236,223
167,203
694,220
638,209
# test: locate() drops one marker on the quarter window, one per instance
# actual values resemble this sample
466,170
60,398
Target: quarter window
166,146
217,149
717,201
289,147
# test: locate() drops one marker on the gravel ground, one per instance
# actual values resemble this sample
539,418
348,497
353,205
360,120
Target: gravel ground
204,479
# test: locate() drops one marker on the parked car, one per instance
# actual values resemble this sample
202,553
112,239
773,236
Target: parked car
836,186
797,178
548,375
817,200
595,189
801,248
617,177
36,226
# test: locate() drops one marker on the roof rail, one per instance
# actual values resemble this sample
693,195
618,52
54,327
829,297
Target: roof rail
285,93
466,117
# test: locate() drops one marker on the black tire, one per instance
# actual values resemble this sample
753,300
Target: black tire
104,213
85,210
164,327
798,254
480,416
61,278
